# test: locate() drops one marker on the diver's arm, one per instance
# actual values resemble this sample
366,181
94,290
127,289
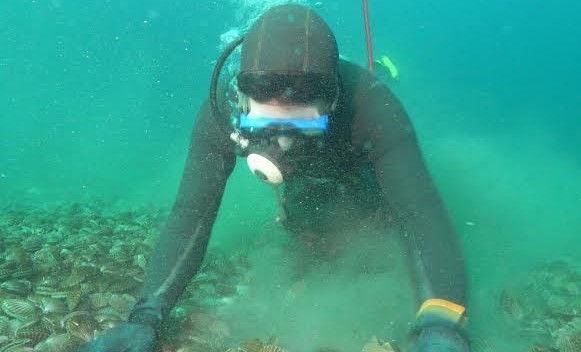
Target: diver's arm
427,230
181,246
381,123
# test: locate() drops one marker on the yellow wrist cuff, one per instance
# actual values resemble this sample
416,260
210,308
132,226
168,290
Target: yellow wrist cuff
450,311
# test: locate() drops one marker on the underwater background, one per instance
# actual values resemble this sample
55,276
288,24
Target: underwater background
98,98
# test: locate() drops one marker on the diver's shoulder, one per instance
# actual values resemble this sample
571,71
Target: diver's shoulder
359,83
349,69
357,77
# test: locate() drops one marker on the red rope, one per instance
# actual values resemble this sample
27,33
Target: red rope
368,36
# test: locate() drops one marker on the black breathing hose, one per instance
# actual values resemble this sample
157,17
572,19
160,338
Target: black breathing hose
216,75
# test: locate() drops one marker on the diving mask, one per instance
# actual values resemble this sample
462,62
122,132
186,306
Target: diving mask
302,125
275,141
304,119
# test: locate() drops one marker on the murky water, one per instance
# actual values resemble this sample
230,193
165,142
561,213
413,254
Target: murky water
97,104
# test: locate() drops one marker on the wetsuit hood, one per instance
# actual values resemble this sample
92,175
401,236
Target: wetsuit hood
290,40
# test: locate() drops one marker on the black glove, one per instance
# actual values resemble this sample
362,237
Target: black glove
139,334
440,339
127,337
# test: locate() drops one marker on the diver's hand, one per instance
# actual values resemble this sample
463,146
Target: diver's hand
139,334
440,339
127,337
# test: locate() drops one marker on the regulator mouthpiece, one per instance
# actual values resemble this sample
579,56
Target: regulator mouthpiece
264,169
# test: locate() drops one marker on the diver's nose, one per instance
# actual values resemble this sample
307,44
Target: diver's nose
285,142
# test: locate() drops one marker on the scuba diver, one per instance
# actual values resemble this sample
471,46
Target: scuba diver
345,150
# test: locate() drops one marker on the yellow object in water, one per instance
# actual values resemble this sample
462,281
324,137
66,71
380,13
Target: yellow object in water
386,62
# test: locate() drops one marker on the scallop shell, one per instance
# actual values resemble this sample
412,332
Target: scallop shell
110,268
570,342
8,266
541,348
18,348
18,255
20,309
374,345
5,272
122,303
4,326
35,333
60,343
82,326
54,237
109,311
511,306
45,264
99,299
122,284
3,341
33,243
254,345
99,285
72,280
23,272
20,287
85,270
12,344
135,273
52,322
121,253
53,305
49,291
34,298
73,296
271,348
87,287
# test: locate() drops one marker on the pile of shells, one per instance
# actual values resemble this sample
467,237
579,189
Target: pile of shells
547,309
255,345
195,323
272,345
74,271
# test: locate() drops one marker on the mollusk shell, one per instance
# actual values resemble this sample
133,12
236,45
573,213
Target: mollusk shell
20,309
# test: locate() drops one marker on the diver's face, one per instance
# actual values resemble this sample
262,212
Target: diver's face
281,110
281,136
303,119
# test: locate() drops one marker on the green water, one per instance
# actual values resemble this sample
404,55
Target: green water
98,99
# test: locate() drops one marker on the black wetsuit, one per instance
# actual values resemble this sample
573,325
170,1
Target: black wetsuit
372,161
